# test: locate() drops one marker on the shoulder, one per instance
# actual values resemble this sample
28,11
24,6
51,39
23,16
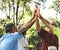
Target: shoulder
18,33
56,31
4,36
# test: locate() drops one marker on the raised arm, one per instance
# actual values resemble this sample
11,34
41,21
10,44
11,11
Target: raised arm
46,22
38,25
41,31
26,26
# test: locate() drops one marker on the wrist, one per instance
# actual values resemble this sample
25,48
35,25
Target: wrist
33,16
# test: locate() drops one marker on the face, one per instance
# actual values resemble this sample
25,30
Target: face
14,29
54,24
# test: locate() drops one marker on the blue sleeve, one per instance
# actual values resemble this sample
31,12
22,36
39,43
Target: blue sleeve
3,37
9,42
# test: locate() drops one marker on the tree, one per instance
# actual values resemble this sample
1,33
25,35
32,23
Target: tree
56,5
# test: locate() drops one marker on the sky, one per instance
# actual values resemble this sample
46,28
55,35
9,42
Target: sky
45,12
2,15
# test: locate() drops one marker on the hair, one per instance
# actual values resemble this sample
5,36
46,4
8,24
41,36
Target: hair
9,27
54,23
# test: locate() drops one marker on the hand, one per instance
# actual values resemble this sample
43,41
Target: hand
38,10
34,13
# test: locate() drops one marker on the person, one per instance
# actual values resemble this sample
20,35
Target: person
10,41
23,42
49,37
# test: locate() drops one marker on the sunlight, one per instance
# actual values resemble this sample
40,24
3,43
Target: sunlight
48,13
45,12
2,15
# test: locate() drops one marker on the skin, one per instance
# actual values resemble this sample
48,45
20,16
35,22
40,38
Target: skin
26,26
46,22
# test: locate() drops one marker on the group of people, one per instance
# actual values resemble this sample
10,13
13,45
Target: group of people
14,39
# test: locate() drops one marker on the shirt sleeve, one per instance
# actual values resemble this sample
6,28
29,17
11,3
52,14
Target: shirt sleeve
14,36
9,42
4,36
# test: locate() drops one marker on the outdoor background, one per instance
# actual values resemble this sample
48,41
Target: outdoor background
20,11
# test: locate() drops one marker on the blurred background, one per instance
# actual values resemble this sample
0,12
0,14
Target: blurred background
18,11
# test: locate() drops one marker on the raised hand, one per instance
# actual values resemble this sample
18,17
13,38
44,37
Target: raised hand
37,10
35,13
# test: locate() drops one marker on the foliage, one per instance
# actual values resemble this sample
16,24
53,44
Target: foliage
3,22
23,14
55,19
56,5
1,32
33,38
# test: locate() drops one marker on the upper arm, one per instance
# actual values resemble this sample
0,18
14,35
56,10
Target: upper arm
26,26
38,25
22,30
4,36
9,42
6,44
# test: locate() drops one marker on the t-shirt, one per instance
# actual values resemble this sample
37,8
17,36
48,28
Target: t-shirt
10,41
23,44
48,39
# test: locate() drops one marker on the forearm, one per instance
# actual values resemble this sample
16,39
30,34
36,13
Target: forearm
29,24
30,19
47,23
26,26
38,25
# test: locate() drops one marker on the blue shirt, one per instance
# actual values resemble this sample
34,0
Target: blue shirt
10,41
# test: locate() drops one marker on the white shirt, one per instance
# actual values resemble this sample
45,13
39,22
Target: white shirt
22,43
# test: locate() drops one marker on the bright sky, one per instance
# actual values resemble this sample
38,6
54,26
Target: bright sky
2,15
45,12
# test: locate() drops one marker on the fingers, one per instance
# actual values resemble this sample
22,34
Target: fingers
34,13
38,10
36,6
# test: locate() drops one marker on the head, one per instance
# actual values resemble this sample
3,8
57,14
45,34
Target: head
10,28
54,23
